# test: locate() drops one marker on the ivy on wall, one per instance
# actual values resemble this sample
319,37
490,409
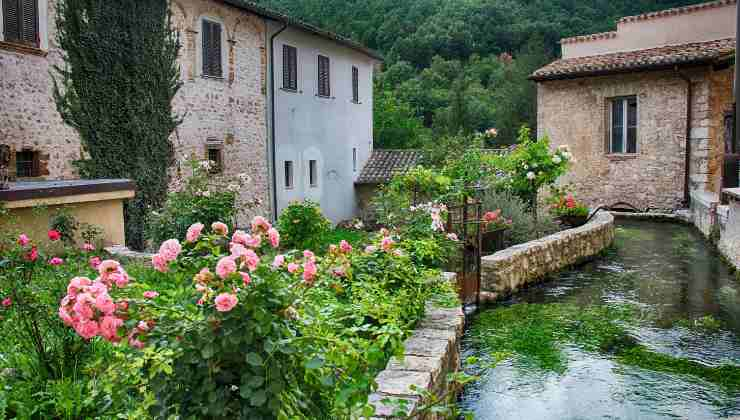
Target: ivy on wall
115,88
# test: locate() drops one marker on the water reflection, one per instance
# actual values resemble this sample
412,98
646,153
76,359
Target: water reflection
675,278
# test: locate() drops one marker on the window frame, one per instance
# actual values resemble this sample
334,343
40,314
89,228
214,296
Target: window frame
35,163
313,173
319,86
354,159
290,88
355,85
288,174
201,51
41,44
625,126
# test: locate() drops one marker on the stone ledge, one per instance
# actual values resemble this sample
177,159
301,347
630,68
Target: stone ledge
507,271
430,354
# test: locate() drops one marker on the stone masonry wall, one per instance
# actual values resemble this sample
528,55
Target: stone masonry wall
231,110
507,271
576,113
430,354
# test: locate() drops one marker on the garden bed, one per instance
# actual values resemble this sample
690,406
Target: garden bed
507,271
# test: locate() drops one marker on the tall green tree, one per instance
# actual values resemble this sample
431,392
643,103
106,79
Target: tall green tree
115,87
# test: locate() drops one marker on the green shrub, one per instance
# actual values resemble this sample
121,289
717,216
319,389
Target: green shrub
525,226
302,226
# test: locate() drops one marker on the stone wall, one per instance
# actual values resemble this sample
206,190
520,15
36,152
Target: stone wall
729,241
576,113
507,271
231,110
430,354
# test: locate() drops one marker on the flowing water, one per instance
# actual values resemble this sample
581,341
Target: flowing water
650,330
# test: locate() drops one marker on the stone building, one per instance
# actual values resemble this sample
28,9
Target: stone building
626,101
226,97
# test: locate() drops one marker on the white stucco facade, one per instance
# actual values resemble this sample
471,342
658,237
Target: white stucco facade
334,131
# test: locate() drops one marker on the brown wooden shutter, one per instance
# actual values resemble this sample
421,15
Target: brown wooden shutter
355,85
212,49
324,76
11,20
29,22
290,67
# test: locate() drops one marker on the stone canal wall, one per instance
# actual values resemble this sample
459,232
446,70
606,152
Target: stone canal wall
507,271
430,354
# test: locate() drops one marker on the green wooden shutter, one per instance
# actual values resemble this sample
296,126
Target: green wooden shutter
355,84
29,22
211,35
324,76
11,20
290,67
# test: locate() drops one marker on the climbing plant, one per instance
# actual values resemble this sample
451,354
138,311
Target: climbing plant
115,87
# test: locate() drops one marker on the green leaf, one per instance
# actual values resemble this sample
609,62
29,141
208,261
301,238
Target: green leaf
258,398
255,359
208,351
314,363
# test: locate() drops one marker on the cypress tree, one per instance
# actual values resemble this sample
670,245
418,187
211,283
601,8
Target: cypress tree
115,88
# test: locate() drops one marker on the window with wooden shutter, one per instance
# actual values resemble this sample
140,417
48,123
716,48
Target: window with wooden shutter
290,68
355,85
324,77
623,125
211,35
27,164
21,21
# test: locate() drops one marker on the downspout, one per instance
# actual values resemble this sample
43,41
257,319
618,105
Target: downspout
687,172
272,120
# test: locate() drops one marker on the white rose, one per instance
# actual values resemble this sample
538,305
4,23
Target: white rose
556,159
531,175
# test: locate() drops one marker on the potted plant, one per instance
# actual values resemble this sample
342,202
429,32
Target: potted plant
566,209
494,227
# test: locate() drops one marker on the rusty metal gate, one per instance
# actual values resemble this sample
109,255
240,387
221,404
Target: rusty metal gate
464,220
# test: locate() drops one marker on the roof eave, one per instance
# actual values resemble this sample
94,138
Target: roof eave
279,17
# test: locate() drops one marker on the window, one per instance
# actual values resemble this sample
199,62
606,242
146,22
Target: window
354,159
355,85
212,60
288,174
313,175
215,156
623,125
21,21
324,77
290,68
27,164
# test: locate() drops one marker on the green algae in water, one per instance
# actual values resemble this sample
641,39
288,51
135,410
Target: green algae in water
535,334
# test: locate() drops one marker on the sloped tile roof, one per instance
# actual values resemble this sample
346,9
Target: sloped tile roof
641,60
678,11
383,165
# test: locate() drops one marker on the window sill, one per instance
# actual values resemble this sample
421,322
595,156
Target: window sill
22,48
356,102
325,97
621,156
291,90
216,78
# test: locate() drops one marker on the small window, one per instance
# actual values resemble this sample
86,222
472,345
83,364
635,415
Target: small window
355,85
215,156
354,159
21,21
211,36
324,77
290,68
27,164
313,175
623,125
288,174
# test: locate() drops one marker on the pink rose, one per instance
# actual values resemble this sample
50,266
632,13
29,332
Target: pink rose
345,247
94,262
160,263
87,329
251,260
237,250
371,249
170,249
142,326
194,232
225,302
260,223
32,255
105,304
64,315
88,247
240,237
246,279
225,267
7,302
309,255
82,307
220,228
97,288
76,285
54,235
254,241
150,294
120,278
278,261
56,261
309,271
109,326
135,343
274,236
108,267
387,243
293,267
23,239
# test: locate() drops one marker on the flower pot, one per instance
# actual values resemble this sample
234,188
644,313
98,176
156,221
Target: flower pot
573,221
492,241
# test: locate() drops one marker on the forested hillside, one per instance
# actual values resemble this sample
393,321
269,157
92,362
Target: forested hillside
456,67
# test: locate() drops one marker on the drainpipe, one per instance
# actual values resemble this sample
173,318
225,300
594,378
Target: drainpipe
737,75
272,120
689,99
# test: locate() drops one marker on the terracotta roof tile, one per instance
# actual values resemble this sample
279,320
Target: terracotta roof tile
677,11
648,59
383,165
